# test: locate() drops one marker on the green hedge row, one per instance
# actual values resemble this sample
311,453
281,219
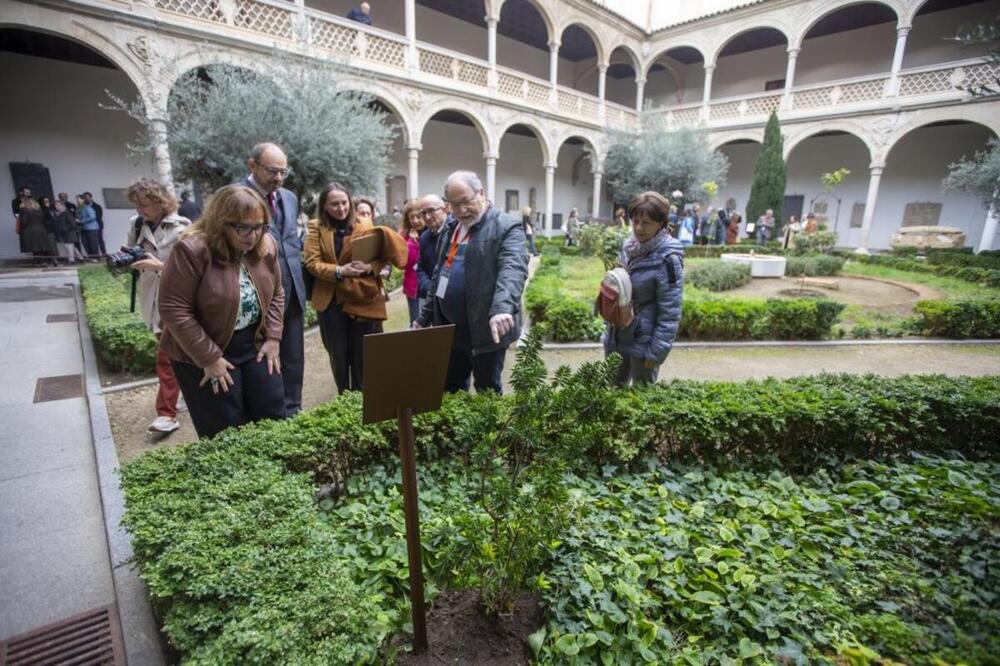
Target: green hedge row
752,319
987,277
238,562
718,275
988,260
958,319
813,265
120,336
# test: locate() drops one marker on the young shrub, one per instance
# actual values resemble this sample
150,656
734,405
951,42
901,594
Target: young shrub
718,275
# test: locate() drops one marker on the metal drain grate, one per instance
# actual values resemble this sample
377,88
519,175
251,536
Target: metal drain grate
59,318
94,637
62,387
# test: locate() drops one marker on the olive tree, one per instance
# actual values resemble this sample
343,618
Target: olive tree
217,113
663,161
979,175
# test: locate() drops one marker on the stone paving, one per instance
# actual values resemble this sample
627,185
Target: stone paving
54,559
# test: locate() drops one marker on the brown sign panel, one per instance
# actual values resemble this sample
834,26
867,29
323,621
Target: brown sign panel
405,370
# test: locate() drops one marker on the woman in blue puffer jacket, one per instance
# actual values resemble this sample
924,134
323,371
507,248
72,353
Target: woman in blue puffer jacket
655,263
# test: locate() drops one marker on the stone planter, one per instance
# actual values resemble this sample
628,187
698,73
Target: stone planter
761,265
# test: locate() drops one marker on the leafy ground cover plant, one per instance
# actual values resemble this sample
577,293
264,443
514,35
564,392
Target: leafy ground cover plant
245,565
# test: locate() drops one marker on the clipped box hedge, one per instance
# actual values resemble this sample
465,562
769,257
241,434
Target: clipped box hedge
754,319
121,337
958,319
238,562
986,277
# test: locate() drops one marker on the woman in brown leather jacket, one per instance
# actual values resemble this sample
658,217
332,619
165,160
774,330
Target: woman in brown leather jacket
348,295
221,304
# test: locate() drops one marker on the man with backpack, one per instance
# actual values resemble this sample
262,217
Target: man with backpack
641,300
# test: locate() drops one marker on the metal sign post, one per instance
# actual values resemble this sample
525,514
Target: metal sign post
404,375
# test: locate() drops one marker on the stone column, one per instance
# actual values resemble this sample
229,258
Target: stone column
897,60
786,99
602,81
870,201
412,181
640,88
989,231
596,211
411,34
491,177
706,95
161,152
550,179
554,72
491,32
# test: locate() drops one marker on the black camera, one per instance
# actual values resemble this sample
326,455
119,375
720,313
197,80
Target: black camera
119,261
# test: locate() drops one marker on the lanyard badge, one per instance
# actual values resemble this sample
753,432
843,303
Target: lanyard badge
456,241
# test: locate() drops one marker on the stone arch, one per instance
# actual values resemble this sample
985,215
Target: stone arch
390,99
590,146
196,56
986,115
636,61
90,37
770,23
664,50
602,53
855,130
719,140
534,126
490,143
540,7
824,9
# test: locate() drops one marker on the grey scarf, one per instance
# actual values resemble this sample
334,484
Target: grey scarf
633,251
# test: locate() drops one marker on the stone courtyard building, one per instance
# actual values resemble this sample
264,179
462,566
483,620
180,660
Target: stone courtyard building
525,91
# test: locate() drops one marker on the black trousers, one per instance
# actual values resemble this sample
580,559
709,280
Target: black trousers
293,354
486,370
254,395
343,337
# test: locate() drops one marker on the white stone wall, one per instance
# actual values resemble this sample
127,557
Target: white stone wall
913,173
57,122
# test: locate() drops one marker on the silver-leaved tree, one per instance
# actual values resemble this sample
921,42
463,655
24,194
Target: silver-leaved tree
217,113
979,175
663,161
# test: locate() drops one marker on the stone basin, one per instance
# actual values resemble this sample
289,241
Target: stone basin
761,265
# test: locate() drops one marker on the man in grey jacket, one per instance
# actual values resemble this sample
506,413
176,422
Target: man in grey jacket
479,277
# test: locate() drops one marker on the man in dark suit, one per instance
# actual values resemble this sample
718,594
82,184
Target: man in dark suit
268,167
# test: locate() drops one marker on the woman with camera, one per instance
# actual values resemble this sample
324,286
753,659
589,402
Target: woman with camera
152,234
221,307
348,295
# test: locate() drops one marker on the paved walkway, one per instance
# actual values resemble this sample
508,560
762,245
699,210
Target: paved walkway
55,553
54,559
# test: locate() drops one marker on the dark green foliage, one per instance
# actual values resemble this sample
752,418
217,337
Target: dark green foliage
750,319
245,566
121,337
767,190
718,275
559,318
958,319
983,260
813,266
821,241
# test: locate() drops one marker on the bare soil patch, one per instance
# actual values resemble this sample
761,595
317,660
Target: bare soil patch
458,632
879,294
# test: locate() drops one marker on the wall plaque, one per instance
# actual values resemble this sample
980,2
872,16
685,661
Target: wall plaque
857,215
919,214
116,197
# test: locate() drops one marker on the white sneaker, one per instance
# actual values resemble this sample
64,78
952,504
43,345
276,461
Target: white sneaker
164,424
182,405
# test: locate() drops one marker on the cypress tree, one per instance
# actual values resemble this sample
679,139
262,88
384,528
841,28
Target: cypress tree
769,175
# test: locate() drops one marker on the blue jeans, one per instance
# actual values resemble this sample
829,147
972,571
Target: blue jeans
486,370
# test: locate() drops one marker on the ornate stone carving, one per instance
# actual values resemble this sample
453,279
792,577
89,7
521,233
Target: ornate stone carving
228,10
415,100
139,47
883,129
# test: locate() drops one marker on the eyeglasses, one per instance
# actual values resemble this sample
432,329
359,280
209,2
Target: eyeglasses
428,212
464,203
275,171
244,230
